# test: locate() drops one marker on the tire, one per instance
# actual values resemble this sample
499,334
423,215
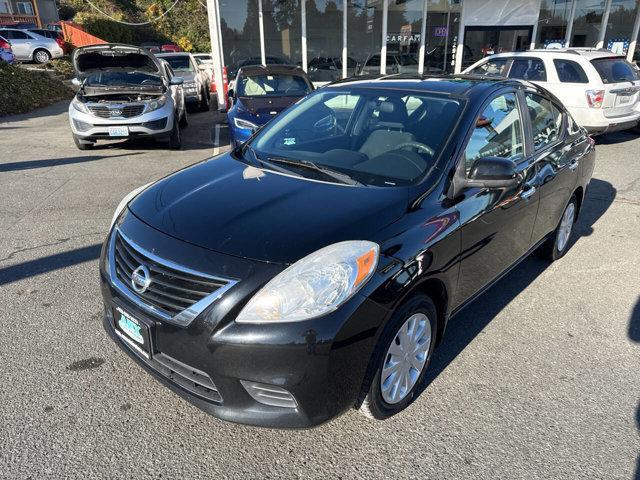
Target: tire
184,121
83,144
41,56
175,140
204,102
379,403
558,243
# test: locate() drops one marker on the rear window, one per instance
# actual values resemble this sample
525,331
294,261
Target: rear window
570,71
491,68
615,70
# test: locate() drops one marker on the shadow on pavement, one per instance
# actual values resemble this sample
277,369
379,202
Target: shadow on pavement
470,322
54,162
615,137
634,335
42,265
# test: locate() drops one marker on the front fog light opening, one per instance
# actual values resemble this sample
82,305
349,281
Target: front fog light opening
269,394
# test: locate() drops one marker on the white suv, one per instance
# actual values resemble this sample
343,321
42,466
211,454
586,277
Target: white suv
599,88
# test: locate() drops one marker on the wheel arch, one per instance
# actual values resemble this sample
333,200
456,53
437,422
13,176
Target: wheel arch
38,49
579,194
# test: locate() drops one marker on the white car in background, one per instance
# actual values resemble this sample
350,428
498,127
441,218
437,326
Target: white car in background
600,89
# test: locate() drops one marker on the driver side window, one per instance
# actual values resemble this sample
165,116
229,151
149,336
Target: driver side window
497,133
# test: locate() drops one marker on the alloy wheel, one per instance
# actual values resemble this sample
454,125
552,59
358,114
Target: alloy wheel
405,358
42,56
566,225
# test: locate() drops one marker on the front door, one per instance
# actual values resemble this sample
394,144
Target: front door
496,224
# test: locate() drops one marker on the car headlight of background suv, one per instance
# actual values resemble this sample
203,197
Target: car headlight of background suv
156,103
244,124
315,285
79,105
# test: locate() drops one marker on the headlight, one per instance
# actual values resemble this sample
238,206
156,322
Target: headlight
125,201
189,85
156,103
244,124
78,105
315,285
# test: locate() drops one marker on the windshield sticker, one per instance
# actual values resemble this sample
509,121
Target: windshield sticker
289,141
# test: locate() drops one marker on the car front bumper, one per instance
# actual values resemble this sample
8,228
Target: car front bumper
157,124
320,362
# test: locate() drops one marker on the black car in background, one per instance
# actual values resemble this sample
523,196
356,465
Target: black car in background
315,268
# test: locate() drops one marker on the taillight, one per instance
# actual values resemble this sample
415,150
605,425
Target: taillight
595,98
60,42
5,45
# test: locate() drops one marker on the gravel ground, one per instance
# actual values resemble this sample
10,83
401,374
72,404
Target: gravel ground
537,379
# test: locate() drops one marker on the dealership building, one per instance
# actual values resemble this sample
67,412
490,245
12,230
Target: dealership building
336,38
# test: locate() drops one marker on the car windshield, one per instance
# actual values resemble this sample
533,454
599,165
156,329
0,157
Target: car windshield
373,136
179,62
272,85
117,78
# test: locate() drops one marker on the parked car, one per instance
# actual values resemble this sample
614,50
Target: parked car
398,63
232,70
6,54
261,93
329,69
125,92
599,88
205,64
30,46
315,268
170,47
196,84
151,46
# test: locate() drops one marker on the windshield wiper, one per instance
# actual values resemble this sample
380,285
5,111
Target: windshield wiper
341,177
258,161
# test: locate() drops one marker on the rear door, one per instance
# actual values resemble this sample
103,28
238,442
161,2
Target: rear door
557,145
621,85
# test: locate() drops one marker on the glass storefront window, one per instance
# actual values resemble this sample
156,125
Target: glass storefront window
587,23
620,26
403,36
324,41
282,30
441,32
240,33
552,23
364,34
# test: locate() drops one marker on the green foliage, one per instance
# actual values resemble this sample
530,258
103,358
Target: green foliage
185,25
23,90
62,67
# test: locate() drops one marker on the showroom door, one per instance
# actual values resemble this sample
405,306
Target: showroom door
483,41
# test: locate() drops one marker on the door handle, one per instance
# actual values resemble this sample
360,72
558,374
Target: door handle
573,165
528,193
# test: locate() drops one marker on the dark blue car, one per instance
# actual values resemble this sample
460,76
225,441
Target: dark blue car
261,92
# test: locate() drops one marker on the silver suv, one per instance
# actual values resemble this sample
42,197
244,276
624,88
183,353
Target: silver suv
125,92
196,82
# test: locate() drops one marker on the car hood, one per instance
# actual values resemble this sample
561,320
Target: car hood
110,56
186,76
264,109
229,207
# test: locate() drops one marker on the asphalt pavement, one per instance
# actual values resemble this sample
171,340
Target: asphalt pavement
539,378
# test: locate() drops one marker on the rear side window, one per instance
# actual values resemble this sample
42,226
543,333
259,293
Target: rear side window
615,70
570,71
492,68
531,69
546,120
15,35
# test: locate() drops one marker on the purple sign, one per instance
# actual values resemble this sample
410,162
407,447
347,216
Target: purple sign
440,31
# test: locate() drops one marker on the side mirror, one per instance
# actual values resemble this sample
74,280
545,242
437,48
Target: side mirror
76,82
176,81
492,172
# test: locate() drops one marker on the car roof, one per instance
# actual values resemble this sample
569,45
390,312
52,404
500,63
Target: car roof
271,68
171,54
462,85
587,53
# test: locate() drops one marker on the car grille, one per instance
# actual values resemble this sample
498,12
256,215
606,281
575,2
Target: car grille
126,111
172,290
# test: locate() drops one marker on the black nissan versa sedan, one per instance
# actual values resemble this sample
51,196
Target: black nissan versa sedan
314,269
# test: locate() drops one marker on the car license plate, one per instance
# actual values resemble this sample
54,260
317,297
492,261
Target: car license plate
134,332
118,131
624,99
